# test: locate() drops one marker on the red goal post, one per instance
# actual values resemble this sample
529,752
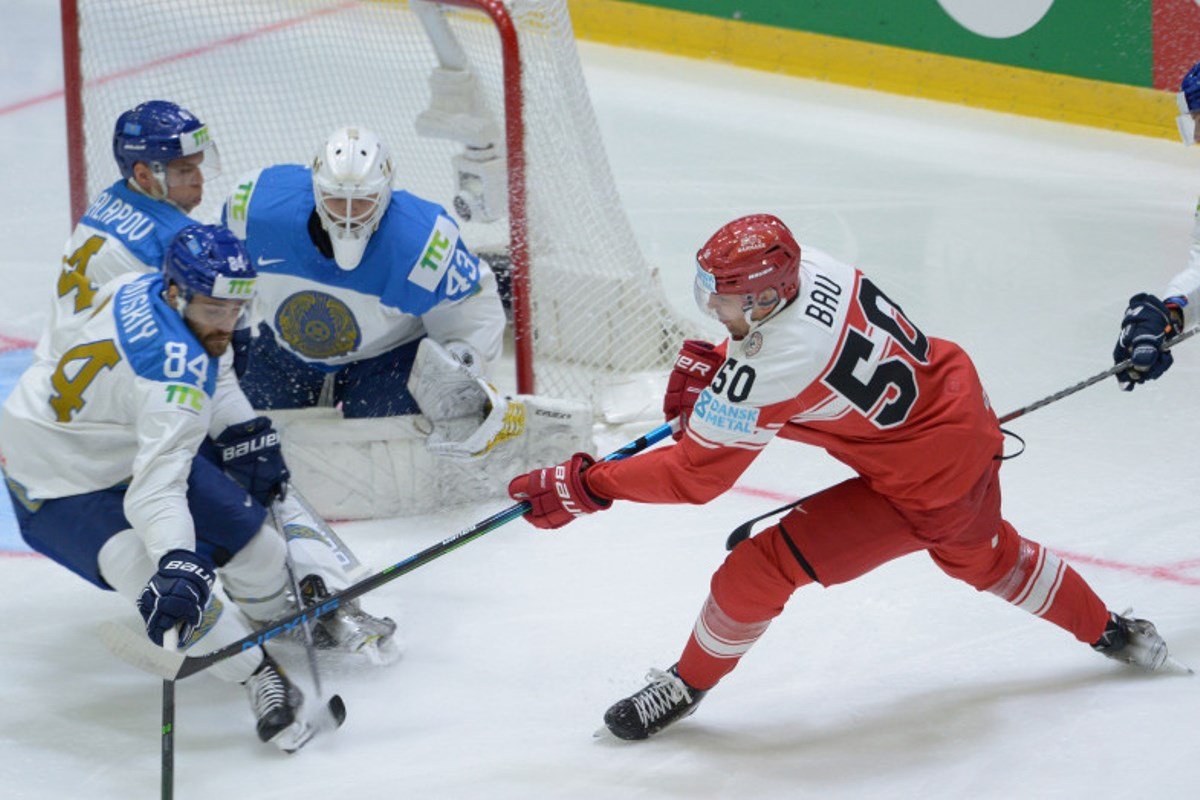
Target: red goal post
483,104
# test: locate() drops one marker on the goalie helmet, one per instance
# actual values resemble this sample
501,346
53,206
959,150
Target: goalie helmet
158,132
209,260
748,257
1188,102
352,187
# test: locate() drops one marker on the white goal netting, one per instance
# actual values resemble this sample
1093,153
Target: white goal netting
272,78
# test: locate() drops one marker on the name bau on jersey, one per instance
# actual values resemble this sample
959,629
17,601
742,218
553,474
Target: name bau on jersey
725,416
107,210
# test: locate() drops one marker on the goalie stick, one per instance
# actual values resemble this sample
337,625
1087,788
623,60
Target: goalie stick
332,709
134,648
742,532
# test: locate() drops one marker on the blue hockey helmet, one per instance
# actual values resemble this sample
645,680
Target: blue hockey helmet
157,132
209,260
1188,102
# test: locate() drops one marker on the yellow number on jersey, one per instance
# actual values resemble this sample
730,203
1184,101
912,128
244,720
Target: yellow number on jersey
74,275
95,356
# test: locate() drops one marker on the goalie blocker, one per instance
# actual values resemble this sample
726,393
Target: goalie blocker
466,444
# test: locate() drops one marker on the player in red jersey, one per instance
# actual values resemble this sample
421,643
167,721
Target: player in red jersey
817,353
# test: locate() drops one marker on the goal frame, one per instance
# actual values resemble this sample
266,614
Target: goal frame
514,135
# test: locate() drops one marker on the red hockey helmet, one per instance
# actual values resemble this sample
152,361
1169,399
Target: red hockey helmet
746,257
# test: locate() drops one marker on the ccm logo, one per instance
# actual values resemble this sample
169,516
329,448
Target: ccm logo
246,448
688,364
564,492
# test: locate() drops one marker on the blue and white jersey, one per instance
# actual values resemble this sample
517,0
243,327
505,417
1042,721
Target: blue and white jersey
129,396
1187,283
415,278
122,231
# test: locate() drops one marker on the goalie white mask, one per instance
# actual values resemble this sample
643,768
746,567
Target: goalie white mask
352,186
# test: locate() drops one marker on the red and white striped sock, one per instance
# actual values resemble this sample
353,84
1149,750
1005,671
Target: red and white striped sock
716,645
1046,586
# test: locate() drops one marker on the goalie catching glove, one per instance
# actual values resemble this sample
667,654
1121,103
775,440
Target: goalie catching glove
694,369
471,418
558,494
1148,325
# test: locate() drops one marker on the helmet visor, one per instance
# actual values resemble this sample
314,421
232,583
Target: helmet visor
211,314
722,307
193,170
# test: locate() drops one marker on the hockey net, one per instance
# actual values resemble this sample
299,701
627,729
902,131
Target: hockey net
272,78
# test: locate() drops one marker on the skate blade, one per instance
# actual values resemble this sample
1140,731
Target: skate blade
1178,666
329,718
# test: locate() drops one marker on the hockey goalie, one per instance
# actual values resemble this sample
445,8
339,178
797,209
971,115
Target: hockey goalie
372,336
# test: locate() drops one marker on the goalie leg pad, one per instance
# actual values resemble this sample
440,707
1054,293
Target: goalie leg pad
373,468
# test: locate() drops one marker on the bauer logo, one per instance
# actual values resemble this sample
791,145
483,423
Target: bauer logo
186,397
717,413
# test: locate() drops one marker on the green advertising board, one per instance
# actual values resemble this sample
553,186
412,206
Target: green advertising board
1108,40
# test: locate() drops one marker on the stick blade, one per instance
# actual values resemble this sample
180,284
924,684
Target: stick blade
135,649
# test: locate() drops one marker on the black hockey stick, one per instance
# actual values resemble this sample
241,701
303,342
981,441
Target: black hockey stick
1070,390
134,648
742,532
170,640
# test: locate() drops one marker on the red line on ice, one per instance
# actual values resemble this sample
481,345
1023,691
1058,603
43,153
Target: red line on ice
8,343
1174,572
195,51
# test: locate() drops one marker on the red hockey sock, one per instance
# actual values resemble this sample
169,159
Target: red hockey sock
716,645
1046,586
753,584
1030,577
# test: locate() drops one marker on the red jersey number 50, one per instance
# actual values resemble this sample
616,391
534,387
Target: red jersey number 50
889,392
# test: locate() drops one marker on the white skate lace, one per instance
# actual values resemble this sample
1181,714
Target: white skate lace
664,693
268,691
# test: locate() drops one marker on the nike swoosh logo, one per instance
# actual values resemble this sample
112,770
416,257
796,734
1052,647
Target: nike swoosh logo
265,262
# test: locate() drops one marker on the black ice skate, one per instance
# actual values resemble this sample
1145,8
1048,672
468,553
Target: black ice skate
349,629
1136,642
276,703
664,701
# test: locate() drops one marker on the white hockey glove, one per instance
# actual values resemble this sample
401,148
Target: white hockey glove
469,415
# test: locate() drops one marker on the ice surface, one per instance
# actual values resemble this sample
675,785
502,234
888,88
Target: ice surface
1020,239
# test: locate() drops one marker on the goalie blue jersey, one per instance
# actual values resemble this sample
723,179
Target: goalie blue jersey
414,263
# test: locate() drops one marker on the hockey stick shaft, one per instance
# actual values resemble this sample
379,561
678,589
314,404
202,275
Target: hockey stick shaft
136,649
170,640
742,531
1108,373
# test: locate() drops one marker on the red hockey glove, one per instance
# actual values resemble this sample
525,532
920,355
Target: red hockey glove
557,494
695,367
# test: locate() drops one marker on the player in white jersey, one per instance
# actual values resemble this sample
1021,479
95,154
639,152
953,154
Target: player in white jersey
104,451
370,301
165,156
1149,322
